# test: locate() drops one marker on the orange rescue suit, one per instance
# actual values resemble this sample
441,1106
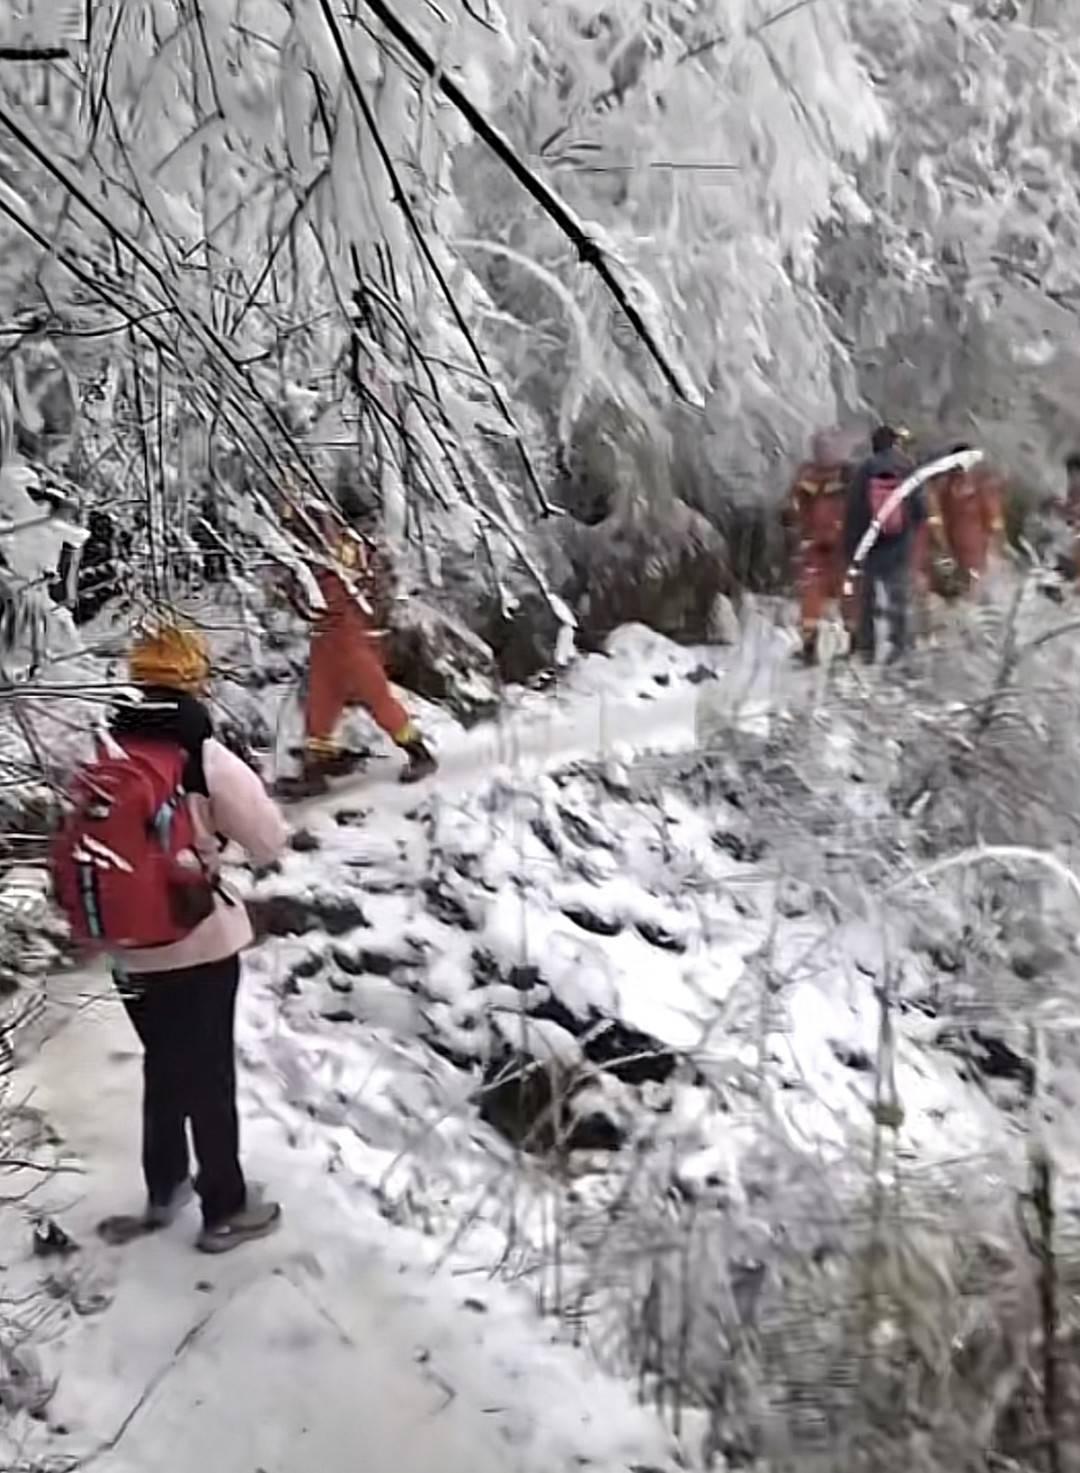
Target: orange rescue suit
818,504
972,518
346,662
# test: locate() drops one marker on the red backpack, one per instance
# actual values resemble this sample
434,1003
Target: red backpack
882,488
125,868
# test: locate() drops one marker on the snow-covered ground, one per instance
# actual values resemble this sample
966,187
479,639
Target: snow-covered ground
324,1345
661,941
339,1332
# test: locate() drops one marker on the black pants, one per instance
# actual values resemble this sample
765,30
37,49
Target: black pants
889,579
185,1024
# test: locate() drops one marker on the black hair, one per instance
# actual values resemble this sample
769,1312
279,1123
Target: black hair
354,506
883,438
1072,462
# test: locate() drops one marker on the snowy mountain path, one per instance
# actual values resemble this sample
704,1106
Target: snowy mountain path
324,1344
335,1330
605,706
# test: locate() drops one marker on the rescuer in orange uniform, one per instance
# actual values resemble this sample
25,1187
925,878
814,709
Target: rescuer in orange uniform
971,508
816,509
346,666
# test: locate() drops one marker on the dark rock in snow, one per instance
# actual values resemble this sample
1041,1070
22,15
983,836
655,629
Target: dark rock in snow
445,906
518,1101
742,850
550,1010
523,639
852,1058
592,921
304,842
378,963
351,817
583,829
659,936
547,836
296,915
308,966
532,1106
433,654
302,971
631,1056
990,1057
485,968
660,564
338,1015
596,1132
51,1241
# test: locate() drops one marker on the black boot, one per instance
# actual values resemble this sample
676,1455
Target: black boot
421,763
341,763
808,654
311,782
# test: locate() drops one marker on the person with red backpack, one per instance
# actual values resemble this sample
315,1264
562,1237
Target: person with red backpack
136,871
887,566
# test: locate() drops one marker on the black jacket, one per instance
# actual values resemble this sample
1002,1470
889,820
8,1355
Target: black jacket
169,715
858,514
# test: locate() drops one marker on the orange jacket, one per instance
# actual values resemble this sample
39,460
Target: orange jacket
972,515
818,505
350,576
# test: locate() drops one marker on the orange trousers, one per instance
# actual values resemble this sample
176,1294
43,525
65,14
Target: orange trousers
969,541
821,582
346,669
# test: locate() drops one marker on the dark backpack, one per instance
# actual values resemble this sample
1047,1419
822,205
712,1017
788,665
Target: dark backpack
126,871
881,489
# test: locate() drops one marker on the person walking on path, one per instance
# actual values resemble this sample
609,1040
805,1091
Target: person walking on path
816,507
886,569
181,996
346,665
972,519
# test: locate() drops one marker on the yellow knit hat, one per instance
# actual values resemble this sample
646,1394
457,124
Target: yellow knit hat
176,658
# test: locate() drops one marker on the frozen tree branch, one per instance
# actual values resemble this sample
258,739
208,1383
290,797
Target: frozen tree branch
590,252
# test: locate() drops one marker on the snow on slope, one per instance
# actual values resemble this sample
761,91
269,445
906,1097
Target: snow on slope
330,1338
336,1331
614,920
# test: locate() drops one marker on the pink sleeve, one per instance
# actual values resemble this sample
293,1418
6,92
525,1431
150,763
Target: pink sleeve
240,807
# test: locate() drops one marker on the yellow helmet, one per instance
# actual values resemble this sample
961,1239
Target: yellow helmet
172,656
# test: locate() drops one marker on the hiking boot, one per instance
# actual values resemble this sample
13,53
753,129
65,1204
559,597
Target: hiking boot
256,1220
308,784
421,763
338,764
126,1227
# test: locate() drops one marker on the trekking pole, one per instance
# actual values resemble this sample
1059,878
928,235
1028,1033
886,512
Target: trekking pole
961,460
